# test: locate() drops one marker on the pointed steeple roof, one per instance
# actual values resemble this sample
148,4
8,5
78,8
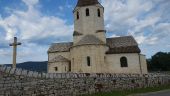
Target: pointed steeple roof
87,2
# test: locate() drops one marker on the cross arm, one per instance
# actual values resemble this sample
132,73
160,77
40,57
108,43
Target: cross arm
19,43
13,44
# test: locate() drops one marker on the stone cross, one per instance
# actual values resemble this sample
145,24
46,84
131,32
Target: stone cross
14,44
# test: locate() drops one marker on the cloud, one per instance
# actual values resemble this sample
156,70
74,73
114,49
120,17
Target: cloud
30,2
113,35
34,29
140,18
4,52
147,20
31,24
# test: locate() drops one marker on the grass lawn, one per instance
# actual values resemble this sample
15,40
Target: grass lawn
135,91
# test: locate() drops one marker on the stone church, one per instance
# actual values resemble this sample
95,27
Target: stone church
91,51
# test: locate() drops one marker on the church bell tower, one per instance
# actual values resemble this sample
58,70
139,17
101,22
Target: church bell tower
89,20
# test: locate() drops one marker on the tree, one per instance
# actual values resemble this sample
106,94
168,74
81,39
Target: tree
159,62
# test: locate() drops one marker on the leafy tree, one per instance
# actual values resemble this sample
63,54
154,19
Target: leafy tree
159,62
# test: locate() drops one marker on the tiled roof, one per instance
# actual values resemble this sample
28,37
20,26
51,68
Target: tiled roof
126,44
127,49
86,2
58,59
89,39
60,47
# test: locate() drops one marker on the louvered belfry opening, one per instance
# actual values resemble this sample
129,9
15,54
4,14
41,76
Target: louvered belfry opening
87,2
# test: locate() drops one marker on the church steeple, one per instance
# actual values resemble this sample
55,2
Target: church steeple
86,2
89,20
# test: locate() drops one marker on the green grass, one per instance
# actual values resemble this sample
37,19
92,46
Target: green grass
129,92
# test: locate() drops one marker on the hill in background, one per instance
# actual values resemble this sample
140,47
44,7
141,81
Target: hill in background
32,66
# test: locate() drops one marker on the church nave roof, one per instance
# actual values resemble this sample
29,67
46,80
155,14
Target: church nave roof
126,44
58,59
90,39
60,47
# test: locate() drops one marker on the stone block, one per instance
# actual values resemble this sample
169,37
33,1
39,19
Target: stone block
30,73
43,75
47,75
18,71
8,69
75,76
67,75
33,95
3,68
35,74
58,75
63,75
24,72
12,71
39,75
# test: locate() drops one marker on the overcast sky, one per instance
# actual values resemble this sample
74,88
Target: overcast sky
38,23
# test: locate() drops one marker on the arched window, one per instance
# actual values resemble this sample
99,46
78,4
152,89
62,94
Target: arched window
77,15
56,68
88,61
87,12
123,62
98,12
69,66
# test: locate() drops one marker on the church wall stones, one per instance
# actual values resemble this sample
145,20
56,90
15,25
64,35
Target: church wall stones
18,82
142,58
89,24
60,67
113,61
79,56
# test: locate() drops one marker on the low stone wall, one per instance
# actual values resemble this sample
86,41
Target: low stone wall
18,82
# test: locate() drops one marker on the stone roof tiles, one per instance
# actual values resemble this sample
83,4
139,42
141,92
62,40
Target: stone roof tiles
60,47
58,59
127,49
126,44
89,39
121,41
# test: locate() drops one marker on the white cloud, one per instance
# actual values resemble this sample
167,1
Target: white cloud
140,39
134,17
168,45
147,20
30,2
31,24
113,35
4,53
32,28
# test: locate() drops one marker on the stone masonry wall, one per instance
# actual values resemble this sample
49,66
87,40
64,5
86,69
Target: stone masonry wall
18,82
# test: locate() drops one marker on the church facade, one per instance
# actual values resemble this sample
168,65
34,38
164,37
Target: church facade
91,51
